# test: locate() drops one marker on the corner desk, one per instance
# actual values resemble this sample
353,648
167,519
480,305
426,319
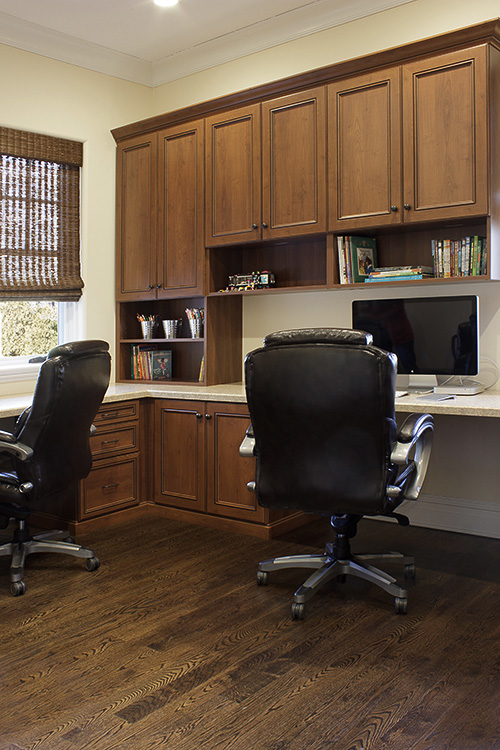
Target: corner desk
139,470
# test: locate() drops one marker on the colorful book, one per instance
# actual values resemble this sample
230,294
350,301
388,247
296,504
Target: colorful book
363,257
161,365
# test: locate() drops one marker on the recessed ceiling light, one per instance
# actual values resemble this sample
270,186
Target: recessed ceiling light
166,3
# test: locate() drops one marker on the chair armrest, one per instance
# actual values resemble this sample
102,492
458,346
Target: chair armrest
413,450
247,447
9,444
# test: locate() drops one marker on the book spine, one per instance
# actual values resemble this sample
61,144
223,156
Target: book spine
406,277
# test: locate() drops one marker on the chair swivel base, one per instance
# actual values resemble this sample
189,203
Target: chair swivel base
48,541
327,567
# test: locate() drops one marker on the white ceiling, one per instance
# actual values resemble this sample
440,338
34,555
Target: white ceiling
140,42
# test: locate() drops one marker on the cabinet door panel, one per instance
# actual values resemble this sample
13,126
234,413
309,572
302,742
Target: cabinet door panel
181,198
293,164
179,453
364,151
445,145
136,217
227,472
233,177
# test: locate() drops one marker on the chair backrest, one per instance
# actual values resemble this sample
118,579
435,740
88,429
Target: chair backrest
321,403
69,390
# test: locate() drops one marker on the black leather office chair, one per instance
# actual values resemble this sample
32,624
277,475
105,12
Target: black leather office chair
324,434
49,449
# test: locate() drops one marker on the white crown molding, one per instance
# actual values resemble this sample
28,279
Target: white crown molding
272,32
31,37
286,27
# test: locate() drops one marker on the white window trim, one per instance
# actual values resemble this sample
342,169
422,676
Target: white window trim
20,369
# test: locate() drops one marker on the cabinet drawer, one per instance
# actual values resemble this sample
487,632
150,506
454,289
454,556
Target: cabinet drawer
112,483
121,439
117,412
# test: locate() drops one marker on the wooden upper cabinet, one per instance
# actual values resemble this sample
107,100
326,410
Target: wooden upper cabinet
294,164
442,134
265,170
445,105
136,218
365,150
181,209
233,181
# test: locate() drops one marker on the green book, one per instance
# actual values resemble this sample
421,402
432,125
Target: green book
363,254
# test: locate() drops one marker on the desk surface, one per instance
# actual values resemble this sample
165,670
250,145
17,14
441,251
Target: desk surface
485,404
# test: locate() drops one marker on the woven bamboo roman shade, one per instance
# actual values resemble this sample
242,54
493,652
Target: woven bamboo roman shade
39,217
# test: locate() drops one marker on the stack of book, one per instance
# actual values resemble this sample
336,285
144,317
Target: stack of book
400,273
465,257
357,258
150,364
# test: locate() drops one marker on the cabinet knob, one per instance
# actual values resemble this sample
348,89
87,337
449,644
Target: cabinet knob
158,286
255,226
208,416
151,286
264,225
198,415
407,206
394,209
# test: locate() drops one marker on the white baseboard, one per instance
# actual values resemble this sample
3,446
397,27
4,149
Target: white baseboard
454,514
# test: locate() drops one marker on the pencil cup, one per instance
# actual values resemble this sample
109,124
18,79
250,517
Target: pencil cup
147,328
171,328
195,327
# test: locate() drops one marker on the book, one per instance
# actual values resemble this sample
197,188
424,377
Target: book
401,271
161,365
407,277
363,257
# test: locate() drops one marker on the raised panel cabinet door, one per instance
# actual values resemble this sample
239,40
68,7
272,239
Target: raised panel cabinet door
294,164
179,454
227,472
364,142
136,218
445,117
181,209
233,177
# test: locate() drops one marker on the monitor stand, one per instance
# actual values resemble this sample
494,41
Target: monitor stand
459,386
416,384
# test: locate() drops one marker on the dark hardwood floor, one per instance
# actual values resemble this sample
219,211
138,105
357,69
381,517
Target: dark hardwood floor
172,644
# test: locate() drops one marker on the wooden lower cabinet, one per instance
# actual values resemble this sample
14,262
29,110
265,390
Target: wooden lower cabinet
113,482
199,474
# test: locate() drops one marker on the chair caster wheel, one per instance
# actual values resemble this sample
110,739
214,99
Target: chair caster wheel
262,578
401,606
18,588
298,611
92,563
410,571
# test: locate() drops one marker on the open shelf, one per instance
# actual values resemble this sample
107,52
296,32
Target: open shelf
296,264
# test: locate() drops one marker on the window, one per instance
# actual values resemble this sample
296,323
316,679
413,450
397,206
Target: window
39,245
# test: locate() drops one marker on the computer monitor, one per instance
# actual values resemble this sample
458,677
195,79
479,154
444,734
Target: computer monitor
436,339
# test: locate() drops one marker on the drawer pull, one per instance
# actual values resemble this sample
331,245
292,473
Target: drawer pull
111,486
109,415
109,442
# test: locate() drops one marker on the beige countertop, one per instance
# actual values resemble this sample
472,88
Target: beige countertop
485,404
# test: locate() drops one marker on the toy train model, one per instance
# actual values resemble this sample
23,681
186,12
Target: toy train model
256,280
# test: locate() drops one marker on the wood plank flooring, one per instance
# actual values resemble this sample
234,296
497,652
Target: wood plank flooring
171,644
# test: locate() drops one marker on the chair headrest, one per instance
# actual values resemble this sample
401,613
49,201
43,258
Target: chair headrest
75,348
319,336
